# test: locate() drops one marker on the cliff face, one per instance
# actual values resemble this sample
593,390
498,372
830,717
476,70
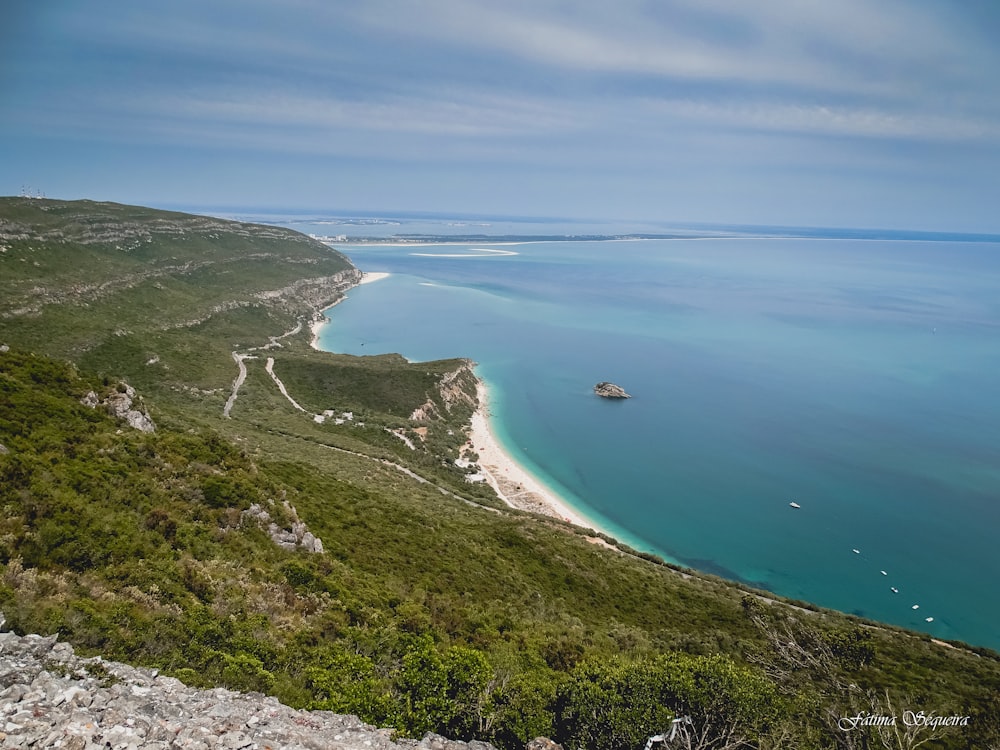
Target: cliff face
456,388
49,697
316,292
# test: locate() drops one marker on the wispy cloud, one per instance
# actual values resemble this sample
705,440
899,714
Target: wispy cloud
468,114
823,120
449,67
850,45
572,92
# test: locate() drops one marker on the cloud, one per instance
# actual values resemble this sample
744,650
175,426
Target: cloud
572,92
466,125
504,122
852,46
823,120
469,114
474,69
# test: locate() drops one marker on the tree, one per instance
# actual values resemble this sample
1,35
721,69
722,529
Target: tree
444,693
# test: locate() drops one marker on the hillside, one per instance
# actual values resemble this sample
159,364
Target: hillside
288,540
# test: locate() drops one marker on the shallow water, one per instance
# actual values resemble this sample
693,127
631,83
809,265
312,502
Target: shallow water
856,378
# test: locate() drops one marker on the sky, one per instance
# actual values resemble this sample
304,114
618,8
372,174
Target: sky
854,113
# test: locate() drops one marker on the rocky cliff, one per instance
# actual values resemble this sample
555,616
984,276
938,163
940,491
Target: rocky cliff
457,387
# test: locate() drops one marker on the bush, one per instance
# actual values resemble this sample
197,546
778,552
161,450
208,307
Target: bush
617,704
227,492
444,693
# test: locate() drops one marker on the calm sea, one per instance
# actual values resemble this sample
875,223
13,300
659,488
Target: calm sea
856,378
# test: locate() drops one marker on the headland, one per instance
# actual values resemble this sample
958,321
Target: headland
513,483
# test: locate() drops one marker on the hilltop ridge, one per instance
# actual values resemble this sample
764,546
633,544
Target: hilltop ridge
88,273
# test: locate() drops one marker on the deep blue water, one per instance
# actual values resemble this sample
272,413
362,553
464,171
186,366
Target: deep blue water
857,378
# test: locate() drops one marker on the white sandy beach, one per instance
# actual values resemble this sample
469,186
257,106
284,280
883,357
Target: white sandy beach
509,479
317,325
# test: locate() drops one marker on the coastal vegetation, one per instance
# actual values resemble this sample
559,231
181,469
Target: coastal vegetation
426,603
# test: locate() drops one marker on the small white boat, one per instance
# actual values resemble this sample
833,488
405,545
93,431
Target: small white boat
795,505
894,589
856,551
883,572
915,606
928,619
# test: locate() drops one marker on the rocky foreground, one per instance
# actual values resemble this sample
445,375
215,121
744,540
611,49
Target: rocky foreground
50,698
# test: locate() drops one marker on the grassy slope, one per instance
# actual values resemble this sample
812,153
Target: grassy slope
162,568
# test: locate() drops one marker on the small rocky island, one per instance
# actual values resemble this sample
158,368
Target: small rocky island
610,390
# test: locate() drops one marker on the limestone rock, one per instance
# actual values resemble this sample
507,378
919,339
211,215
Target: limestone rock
610,390
298,535
543,743
454,388
119,405
433,741
51,698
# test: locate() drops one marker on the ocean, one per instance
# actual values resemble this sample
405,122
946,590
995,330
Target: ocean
856,378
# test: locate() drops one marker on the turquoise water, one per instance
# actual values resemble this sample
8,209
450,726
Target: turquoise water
856,378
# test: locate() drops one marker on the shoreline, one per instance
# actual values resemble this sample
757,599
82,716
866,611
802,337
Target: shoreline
320,319
512,482
516,487
369,277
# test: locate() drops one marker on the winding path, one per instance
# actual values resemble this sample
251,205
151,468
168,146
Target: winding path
238,358
242,375
281,386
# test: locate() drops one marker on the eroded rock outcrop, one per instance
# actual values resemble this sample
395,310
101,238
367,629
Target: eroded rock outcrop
123,404
610,390
51,698
295,535
455,387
